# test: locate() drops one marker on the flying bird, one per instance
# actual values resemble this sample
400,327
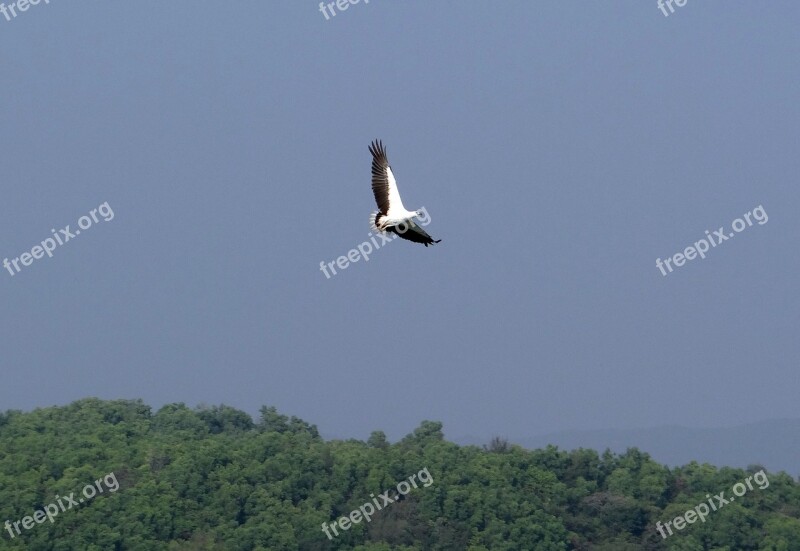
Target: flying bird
392,216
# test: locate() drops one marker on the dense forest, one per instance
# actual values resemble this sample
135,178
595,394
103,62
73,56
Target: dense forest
113,475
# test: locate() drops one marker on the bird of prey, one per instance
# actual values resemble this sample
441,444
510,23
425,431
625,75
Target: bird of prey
392,216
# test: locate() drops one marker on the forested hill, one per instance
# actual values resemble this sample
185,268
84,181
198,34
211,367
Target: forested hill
185,479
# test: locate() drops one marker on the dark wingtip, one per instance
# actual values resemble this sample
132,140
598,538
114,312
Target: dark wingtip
376,148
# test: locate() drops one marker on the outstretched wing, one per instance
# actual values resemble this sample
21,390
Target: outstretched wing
384,186
412,232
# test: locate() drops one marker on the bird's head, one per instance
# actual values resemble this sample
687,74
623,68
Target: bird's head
424,217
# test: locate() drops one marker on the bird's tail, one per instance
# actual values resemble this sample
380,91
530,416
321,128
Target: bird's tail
374,220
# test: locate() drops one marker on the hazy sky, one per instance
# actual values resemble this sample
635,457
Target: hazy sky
560,147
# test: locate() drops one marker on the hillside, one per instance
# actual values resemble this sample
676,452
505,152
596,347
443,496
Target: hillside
772,444
183,479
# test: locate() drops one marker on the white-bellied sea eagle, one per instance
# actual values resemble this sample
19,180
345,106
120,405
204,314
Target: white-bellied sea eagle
392,216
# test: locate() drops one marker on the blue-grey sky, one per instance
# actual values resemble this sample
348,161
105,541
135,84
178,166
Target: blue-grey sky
559,148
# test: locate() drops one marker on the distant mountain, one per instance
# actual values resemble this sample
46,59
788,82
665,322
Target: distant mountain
774,444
